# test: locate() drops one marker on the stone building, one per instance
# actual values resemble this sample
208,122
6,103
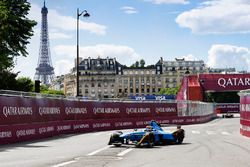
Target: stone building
107,78
173,71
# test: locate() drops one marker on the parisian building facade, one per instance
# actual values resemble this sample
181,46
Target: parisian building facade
107,78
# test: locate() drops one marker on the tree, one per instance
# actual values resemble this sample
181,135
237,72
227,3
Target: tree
137,64
222,97
8,80
24,84
169,91
15,30
142,63
44,89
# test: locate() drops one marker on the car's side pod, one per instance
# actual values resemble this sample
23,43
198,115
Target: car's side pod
147,139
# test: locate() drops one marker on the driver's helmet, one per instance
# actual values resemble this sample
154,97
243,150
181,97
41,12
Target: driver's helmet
149,128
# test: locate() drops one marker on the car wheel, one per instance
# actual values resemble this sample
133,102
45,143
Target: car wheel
115,138
179,136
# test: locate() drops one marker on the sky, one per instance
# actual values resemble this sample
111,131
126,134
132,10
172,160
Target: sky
215,31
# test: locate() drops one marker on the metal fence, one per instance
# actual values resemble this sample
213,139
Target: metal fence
195,108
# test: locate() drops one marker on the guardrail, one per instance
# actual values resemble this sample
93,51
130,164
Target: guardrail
34,116
245,112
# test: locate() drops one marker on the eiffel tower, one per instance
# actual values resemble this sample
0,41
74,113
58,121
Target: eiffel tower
44,71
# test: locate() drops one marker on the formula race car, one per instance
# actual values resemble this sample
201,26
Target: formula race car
227,115
152,135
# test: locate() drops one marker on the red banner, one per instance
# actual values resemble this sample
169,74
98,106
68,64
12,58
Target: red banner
23,119
17,110
227,108
245,114
225,82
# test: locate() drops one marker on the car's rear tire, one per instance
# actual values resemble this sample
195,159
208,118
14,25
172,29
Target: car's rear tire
179,136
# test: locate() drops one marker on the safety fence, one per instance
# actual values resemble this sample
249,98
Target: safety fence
245,112
35,116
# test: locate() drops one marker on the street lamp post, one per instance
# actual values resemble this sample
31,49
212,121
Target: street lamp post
85,14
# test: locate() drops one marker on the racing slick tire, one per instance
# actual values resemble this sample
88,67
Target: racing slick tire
115,139
179,136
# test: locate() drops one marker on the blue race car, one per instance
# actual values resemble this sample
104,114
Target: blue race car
152,135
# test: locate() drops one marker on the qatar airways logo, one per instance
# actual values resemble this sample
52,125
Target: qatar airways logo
225,82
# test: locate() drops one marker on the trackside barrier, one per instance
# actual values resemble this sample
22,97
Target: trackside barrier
245,112
25,118
223,108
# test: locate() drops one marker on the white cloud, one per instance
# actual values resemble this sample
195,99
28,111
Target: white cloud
123,54
68,23
226,56
158,2
224,16
63,67
190,57
58,35
129,10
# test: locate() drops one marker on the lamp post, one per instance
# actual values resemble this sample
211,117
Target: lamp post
84,14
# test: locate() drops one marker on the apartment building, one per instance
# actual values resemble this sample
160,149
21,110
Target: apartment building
107,78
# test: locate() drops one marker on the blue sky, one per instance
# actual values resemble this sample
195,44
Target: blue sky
216,31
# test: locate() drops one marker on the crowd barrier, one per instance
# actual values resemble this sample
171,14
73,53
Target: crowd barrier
245,112
28,118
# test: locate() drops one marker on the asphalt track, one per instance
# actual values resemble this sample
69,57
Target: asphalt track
217,144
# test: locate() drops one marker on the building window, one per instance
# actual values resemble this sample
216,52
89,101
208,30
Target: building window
92,85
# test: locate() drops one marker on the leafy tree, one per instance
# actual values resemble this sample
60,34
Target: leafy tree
24,84
137,64
169,91
15,30
8,80
142,63
44,89
55,92
222,97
